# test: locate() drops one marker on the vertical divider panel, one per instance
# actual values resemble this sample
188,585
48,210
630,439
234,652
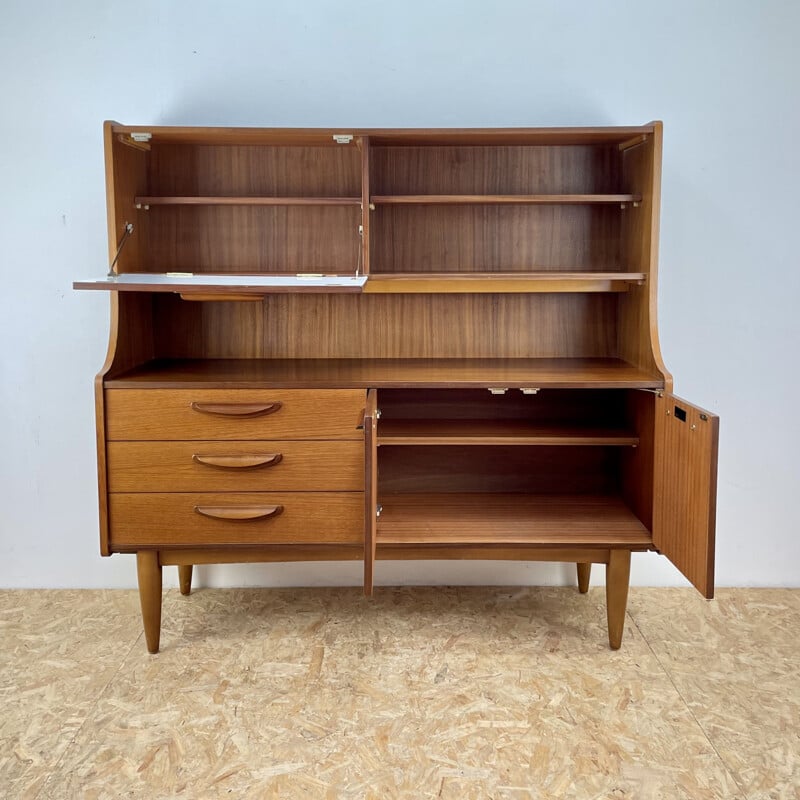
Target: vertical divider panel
363,143
370,488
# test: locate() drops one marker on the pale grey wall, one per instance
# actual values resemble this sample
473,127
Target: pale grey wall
722,75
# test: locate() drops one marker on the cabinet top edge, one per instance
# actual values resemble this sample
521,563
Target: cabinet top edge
609,135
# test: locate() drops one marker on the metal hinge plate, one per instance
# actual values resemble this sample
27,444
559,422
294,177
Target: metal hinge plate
342,138
139,136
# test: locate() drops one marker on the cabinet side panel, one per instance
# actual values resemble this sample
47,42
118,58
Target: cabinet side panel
685,489
638,331
637,462
126,178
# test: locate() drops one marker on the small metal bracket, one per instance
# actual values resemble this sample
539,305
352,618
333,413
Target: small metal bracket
377,413
125,235
497,390
342,138
530,390
141,136
378,509
656,392
143,206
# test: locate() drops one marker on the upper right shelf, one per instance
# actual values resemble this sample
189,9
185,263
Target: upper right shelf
551,214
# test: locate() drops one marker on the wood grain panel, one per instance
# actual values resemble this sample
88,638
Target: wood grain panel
283,240
126,177
684,511
370,488
636,463
317,137
506,238
179,466
254,373
163,520
167,414
278,239
497,170
390,326
637,328
498,468
238,170
514,519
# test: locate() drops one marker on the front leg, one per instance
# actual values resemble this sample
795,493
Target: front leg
149,572
618,571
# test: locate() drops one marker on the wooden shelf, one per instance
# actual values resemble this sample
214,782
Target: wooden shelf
503,282
226,284
247,201
494,432
504,519
503,199
355,373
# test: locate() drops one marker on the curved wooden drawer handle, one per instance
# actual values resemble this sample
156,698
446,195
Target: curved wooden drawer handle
239,461
239,513
237,409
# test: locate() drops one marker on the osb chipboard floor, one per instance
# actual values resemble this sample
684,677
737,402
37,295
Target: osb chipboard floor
417,693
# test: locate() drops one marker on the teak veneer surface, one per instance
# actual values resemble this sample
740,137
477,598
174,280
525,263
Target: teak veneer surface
494,518
362,373
208,466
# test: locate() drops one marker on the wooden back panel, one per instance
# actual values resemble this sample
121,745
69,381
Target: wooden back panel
390,326
282,240
486,238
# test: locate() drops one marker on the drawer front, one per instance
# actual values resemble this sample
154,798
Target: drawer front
258,466
253,518
188,414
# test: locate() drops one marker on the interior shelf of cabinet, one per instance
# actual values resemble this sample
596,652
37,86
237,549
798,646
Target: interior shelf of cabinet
495,432
506,519
246,201
466,282
398,373
503,199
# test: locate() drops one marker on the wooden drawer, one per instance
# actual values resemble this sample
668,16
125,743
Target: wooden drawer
253,518
164,414
257,466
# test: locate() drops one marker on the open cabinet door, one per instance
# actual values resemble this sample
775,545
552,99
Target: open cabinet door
370,487
685,488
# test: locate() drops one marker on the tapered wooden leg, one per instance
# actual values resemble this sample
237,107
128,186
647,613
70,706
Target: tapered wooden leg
185,577
618,572
149,571
584,571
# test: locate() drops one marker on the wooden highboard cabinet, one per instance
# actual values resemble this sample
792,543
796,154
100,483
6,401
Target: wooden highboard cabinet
392,344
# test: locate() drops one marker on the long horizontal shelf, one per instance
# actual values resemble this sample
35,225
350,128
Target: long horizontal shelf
553,281
344,373
495,432
227,284
315,137
248,201
503,519
505,282
503,199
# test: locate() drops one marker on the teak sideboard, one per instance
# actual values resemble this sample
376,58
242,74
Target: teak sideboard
392,344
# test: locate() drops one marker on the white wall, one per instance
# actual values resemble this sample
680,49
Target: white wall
722,75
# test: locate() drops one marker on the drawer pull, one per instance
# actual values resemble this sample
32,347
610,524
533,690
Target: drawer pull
237,409
239,512
239,461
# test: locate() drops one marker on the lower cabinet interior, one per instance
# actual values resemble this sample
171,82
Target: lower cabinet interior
554,468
